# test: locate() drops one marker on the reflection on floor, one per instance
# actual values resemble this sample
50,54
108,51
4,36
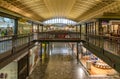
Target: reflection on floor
60,65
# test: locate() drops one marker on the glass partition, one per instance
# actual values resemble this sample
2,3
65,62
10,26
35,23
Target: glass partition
6,26
104,34
24,27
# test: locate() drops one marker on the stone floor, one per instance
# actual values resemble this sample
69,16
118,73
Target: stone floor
60,65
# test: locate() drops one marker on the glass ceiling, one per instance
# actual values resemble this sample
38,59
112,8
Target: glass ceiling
59,21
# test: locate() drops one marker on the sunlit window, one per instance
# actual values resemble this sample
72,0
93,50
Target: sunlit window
59,20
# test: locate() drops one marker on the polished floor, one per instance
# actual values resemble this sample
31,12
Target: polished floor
60,65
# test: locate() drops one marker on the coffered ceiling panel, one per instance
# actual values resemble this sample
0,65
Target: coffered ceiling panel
73,9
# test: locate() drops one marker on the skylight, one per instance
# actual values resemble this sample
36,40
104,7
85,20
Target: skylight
59,21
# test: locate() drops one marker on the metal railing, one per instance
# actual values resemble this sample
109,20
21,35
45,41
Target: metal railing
108,43
59,35
10,44
15,42
5,43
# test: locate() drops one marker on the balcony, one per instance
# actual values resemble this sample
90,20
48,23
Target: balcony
11,46
107,43
106,48
103,46
58,36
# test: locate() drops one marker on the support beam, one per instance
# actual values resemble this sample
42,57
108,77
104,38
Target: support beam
41,51
48,49
42,28
45,50
72,49
16,27
80,30
77,53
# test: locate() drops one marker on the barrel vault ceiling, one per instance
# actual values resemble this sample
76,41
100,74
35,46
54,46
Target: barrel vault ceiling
77,10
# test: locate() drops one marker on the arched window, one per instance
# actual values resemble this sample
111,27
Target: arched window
59,21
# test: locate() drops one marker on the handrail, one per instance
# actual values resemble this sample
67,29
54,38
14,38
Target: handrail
14,41
10,43
108,43
58,35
